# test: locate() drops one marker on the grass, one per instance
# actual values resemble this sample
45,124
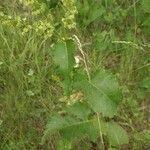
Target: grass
29,93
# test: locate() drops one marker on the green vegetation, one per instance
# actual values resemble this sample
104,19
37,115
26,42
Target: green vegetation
74,74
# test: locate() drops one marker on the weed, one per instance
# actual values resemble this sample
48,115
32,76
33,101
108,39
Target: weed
74,74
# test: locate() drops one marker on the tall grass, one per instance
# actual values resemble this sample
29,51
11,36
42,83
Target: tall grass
29,92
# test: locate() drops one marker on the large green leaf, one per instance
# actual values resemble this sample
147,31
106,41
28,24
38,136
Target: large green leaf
63,56
71,129
103,93
56,123
96,11
80,110
146,6
89,11
116,134
89,128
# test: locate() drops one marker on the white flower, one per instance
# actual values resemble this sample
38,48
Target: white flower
77,60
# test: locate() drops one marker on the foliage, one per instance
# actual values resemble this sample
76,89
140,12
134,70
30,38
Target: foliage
74,73
103,95
63,55
70,129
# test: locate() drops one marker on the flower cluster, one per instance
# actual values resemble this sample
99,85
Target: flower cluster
38,19
13,23
70,12
41,25
34,6
5,19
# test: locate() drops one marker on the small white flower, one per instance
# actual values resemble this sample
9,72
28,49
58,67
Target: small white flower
77,60
31,72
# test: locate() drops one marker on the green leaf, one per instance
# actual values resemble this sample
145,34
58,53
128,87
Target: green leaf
95,12
146,25
80,110
146,6
116,134
145,83
103,93
56,123
63,56
89,128
64,145
84,7
70,128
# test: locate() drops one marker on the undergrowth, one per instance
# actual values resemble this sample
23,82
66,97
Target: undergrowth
74,74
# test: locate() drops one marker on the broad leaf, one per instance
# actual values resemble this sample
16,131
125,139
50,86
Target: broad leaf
63,56
80,110
89,128
71,129
146,6
95,12
116,134
89,11
56,123
103,93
